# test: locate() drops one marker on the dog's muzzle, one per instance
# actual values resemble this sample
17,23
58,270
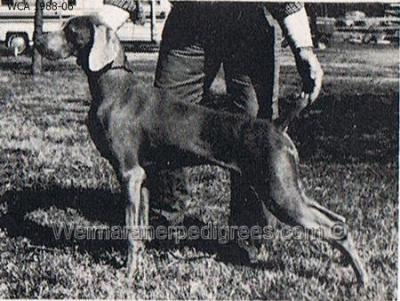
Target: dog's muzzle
53,46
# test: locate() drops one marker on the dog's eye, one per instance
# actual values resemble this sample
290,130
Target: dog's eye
72,36
78,37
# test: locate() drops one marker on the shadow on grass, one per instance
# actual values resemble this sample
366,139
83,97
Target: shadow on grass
341,128
346,129
94,204
105,206
101,206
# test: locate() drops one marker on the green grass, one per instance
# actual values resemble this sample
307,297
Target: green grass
51,174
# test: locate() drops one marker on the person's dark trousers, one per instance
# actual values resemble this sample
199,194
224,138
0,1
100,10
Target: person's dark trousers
197,39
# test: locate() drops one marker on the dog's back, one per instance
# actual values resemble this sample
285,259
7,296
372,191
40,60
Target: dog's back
230,140
128,125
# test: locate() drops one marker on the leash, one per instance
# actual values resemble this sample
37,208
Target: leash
295,106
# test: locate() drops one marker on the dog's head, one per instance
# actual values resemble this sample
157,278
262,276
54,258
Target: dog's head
86,37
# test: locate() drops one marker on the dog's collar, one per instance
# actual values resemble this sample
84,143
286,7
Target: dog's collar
126,68
107,68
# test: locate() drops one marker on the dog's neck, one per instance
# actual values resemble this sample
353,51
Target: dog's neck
112,79
120,62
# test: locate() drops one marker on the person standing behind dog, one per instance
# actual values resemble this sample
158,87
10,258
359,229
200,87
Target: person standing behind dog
199,37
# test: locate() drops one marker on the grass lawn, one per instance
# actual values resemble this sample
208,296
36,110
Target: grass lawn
51,174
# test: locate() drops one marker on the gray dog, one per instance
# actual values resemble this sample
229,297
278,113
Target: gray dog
135,131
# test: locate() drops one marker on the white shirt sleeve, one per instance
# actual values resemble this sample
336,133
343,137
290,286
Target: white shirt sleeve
297,29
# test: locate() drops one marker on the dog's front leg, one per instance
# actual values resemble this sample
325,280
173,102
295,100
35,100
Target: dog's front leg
136,215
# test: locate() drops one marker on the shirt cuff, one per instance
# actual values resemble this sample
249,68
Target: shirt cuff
128,5
282,10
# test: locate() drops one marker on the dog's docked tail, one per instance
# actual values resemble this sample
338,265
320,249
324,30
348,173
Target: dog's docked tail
292,112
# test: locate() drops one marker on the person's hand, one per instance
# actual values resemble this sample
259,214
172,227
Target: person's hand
311,73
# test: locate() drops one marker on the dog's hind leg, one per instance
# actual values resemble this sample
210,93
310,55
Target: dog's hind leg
286,199
136,215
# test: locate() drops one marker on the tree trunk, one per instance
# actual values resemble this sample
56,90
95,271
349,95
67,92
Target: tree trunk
36,57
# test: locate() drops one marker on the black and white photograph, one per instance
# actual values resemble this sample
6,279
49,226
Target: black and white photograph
199,150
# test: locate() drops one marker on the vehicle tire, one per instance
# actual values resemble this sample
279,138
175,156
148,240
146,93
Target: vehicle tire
17,42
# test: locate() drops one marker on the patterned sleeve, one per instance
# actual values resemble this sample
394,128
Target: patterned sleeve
283,9
128,5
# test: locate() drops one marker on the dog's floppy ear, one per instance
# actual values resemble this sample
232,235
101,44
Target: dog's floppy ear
104,49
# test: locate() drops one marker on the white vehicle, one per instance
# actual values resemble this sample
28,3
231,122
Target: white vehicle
162,8
17,20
